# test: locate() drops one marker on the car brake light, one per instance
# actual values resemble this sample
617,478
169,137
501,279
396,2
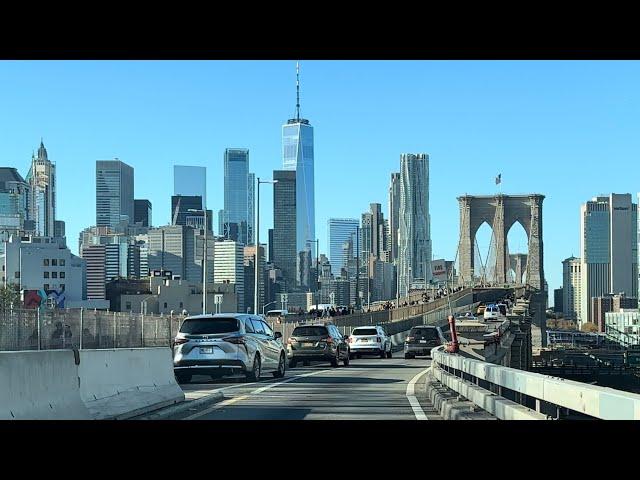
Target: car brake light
378,339
409,339
289,340
235,340
180,341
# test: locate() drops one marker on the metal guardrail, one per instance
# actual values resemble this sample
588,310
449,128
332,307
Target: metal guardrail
530,395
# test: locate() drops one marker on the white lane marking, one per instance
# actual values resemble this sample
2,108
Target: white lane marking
231,401
415,404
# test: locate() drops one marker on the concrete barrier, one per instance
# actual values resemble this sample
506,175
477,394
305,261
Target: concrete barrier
123,383
40,385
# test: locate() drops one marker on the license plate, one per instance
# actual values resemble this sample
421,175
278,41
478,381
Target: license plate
206,349
308,344
362,340
423,341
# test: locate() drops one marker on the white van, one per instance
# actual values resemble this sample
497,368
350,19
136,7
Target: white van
492,312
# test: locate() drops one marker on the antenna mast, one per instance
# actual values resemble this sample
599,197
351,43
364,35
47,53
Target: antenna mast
297,91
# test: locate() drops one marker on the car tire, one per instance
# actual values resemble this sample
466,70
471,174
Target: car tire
334,360
254,374
383,354
408,356
345,362
281,367
183,377
389,354
292,362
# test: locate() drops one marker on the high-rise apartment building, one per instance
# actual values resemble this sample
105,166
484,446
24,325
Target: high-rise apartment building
339,231
142,212
609,249
571,288
284,225
249,276
172,248
298,156
190,181
394,210
414,233
373,232
42,193
229,267
114,193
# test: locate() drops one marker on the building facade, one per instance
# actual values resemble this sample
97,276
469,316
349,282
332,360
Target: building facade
42,193
609,249
609,303
414,234
237,196
114,193
571,288
394,211
284,225
229,267
190,181
142,212
171,248
14,201
339,231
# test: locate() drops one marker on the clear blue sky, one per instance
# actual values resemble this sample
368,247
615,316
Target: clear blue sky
566,129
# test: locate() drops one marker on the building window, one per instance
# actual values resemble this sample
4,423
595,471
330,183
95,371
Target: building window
46,274
61,262
165,304
54,262
54,274
181,305
17,275
45,262
62,286
127,305
61,274
45,286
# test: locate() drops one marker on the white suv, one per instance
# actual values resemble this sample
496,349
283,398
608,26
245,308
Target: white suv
369,340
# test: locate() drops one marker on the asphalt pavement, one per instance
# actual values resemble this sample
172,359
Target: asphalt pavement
370,388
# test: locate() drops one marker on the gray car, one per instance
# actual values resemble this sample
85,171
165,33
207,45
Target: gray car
421,339
317,341
227,343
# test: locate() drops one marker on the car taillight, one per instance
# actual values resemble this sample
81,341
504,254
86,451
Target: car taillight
378,339
348,339
289,340
180,341
235,340
410,339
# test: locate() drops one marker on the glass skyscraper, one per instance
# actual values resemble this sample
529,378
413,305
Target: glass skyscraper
284,225
237,196
340,231
42,196
414,233
190,181
297,154
114,193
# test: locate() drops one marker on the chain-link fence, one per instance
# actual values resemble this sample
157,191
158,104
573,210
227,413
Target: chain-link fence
34,329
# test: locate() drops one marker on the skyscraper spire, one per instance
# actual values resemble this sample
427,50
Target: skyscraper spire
298,91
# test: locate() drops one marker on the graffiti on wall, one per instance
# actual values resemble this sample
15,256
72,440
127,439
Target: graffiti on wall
44,298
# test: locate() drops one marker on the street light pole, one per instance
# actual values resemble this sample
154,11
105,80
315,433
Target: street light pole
264,306
257,245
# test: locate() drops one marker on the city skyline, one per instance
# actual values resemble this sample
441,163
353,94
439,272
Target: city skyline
557,116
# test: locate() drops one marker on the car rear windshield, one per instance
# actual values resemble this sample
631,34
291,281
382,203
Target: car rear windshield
364,331
309,331
425,332
206,326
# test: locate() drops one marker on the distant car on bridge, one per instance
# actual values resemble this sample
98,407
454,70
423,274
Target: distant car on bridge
370,341
422,339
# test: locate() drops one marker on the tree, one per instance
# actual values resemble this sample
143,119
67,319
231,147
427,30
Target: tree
9,295
589,327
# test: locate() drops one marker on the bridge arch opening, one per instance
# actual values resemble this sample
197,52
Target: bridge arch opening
484,243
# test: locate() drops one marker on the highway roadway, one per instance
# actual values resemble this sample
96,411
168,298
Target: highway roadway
368,389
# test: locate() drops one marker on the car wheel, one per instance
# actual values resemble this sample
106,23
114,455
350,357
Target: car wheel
345,362
407,356
183,377
389,354
254,374
334,360
292,362
382,353
281,368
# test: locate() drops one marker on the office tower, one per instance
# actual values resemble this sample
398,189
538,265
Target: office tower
414,236
249,277
59,228
297,154
372,232
172,249
339,232
42,193
142,212
180,206
558,306
609,248
571,286
114,194
14,201
95,258
284,225
394,209
236,195
228,267
270,259
190,182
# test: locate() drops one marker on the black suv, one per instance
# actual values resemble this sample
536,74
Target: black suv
422,339
317,341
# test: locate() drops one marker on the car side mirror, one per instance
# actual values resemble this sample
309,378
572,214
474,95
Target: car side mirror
277,335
